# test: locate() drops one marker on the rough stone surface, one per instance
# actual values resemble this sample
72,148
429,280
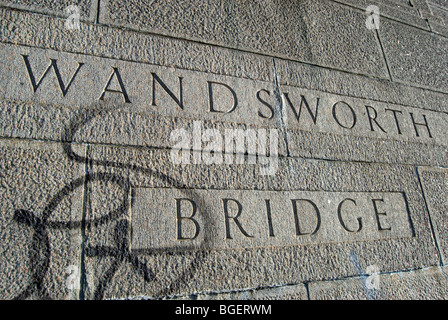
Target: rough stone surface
440,3
435,184
439,29
87,8
41,216
317,111
296,74
402,11
442,13
239,219
47,32
438,21
330,146
424,65
426,284
288,292
84,80
92,39
192,95
205,270
299,30
117,181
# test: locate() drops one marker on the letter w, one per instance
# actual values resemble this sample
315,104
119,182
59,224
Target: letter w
303,101
53,65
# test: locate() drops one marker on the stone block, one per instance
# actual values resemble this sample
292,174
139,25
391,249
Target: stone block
423,65
298,30
291,73
42,193
86,9
424,284
286,292
116,268
435,185
108,42
440,3
396,10
129,103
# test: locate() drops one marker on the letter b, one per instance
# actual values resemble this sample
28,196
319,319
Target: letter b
180,218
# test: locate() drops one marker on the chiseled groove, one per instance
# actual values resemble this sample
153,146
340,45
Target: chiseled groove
98,8
384,55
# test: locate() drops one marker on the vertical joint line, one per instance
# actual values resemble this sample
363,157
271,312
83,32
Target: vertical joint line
384,55
82,276
308,296
98,6
280,110
431,225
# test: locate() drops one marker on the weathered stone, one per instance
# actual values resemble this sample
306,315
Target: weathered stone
397,10
424,284
42,193
47,32
288,292
105,41
144,103
292,73
441,13
439,29
435,185
441,3
214,150
340,117
86,8
348,148
299,30
317,111
50,77
239,219
438,20
95,123
424,65
181,272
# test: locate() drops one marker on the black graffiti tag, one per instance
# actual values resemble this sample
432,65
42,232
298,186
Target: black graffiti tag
40,248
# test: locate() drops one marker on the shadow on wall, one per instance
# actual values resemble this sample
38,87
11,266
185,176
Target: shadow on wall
40,250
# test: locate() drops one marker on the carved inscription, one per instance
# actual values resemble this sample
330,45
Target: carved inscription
69,79
168,218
